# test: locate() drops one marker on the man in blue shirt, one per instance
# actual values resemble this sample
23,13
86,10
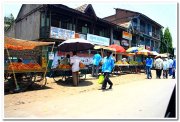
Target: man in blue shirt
149,62
108,65
174,68
96,61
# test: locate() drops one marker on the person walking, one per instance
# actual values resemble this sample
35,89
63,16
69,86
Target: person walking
170,61
165,68
158,64
74,61
108,65
148,67
96,64
174,68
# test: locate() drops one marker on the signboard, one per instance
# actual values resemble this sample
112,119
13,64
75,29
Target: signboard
98,40
59,33
51,55
86,60
125,43
82,36
127,35
116,42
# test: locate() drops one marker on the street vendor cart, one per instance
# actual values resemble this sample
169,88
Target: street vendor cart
30,72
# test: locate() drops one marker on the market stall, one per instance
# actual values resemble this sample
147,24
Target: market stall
20,72
65,70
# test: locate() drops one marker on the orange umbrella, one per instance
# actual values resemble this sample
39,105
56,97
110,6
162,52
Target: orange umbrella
118,48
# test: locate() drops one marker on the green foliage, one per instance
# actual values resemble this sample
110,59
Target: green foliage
166,42
8,21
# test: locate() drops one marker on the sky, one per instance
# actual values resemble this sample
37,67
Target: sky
164,13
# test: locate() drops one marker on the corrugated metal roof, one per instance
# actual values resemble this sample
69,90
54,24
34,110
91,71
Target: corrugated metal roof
82,8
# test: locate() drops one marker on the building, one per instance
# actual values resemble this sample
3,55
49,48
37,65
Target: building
145,31
56,22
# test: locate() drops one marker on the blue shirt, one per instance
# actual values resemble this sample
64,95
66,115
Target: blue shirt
96,59
108,64
174,63
149,62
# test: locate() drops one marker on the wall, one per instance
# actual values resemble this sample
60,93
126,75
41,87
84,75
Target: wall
28,28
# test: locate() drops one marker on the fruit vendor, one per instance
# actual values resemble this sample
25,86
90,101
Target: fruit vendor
66,60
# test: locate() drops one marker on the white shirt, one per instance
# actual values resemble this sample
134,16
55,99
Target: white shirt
75,63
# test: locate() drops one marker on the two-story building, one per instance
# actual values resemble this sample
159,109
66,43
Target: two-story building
56,22
145,30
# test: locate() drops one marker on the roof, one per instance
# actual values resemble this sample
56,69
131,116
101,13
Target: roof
19,44
141,15
82,8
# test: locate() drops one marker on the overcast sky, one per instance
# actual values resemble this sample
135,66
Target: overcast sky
164,13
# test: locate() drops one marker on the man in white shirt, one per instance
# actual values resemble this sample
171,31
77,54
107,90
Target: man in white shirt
74,61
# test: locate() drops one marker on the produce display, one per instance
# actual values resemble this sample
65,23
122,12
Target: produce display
133,62
121,62
66,66
22,66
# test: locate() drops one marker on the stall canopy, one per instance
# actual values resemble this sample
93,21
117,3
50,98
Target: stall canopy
19,44
118,48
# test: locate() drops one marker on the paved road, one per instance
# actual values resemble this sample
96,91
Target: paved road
147,99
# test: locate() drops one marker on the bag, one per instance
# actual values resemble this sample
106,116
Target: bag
101,79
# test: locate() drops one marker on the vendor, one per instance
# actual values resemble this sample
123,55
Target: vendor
74,61
66,60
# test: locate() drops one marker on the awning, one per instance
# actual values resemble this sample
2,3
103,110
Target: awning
19,44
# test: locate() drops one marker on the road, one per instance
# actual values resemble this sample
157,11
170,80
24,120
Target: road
146,99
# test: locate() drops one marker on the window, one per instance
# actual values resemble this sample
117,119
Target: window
42,20
83,27
142,26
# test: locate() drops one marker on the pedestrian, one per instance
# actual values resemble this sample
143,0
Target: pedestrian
66,60
114,57
96,64
148,67
108,65
170,61
158,64
174,68
165,68
75,61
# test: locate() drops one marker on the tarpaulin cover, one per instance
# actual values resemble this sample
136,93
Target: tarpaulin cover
19,44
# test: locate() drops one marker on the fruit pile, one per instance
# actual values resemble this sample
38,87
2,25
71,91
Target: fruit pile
140,63
121,62
22,66
64,66
133,62
81,65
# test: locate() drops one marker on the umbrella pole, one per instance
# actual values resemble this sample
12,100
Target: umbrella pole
15,80
48,63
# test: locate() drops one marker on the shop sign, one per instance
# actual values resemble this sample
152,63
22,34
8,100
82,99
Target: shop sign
82,36
51,55
86,60
124,43
99,40
59,33
127,35
116,42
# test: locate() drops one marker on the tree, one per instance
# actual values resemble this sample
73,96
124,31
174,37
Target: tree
168,41
162,43
8,21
